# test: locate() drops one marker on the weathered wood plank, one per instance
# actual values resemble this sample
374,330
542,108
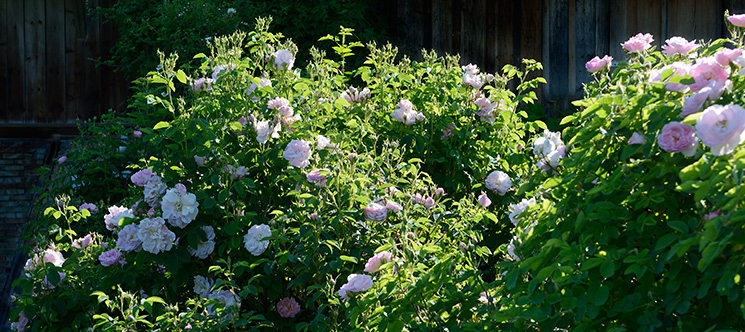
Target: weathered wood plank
530,34
504,47
91,50
457,19
556,58
74,41
585,41
16,63
442,26
110,81
473,39
410,18
4,60
602,27
680,21
708,20
648,13
34,60
55,60
617,31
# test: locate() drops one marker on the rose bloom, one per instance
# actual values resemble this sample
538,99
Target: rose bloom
318,177
111,257
142,177
393,206
705,71
47,256
324,142
226,297
202,285
61,160
288,307
252,87
155,236
92,208
597,64
254,239
498,182
727,55
355,283
637,138
201,84
511,250
678,137
298,153
179,207
20,325
638,43
485,106
265,130
375,262
127,239
517,209
375,212
116,213
678,45
484,200
82,242
137,133
722,128
277,103
471,77
737,20
283,59
354,96
204,248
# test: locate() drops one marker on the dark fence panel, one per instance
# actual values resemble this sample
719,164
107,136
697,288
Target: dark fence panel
562,34
48,76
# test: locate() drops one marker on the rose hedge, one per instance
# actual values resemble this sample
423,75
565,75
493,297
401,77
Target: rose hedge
252,194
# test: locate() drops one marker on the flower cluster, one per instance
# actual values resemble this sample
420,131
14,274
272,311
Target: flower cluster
254,241
550,149
405,113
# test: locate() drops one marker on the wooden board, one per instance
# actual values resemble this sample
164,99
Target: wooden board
91,50
442,26
557,55
16,109
585,30
4,79
473,38
74,41
55,61
35,60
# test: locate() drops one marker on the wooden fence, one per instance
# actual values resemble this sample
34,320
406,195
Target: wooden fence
47,73
47,77
562,34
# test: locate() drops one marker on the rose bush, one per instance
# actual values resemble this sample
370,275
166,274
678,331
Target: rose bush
631,234
246,201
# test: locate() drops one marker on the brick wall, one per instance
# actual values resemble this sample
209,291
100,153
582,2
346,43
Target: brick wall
19,160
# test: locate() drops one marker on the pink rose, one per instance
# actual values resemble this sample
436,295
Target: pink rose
485,106
375,212
375,262
278,102
90,207
638,43
693,103
142,177
637,138
678,137
298,153
726,55
283,59
484,200
597,64
355,283
706,70
678,45
429,202
737,20
471,77
201,85
137,133
111,257
722,128
82,242
393,206
318,177
288,307
62,160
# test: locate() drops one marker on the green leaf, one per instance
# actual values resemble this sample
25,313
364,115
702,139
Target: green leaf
155,299
199,56
352,260
161,125
341,103
567,119
607,269
551,182
601,295
181,76
430,248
